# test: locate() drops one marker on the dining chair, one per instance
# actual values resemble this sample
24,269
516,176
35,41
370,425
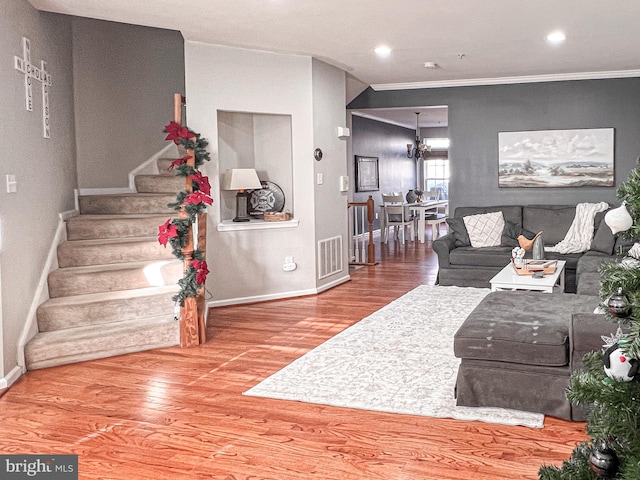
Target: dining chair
438,216
397,216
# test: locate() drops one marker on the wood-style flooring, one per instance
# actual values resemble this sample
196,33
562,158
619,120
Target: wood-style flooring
180,413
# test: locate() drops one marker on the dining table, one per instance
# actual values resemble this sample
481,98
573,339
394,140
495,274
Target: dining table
421,209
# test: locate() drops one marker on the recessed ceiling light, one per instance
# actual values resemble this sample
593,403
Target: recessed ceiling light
430,65
556,37
383,51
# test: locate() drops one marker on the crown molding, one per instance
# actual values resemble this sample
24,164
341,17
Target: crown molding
472,82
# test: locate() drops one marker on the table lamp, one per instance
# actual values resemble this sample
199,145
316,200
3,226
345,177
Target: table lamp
241,179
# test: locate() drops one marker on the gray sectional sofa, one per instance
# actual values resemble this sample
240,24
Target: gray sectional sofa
461,264
518,349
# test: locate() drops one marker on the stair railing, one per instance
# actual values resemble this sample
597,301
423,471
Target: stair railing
192,313
361,247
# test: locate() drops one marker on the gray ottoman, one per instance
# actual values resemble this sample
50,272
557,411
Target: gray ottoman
517,350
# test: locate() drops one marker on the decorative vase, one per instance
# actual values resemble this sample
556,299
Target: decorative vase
538,248
411,197
619,219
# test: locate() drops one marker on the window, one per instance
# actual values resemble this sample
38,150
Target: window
436,166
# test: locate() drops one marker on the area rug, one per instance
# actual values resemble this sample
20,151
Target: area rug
399,359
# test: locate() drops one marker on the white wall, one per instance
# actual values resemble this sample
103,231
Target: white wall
247,264
328,114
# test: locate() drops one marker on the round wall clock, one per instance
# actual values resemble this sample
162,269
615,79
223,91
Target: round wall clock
270,198
317,154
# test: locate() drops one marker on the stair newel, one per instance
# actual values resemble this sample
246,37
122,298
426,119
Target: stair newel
192,327
201,238
371,249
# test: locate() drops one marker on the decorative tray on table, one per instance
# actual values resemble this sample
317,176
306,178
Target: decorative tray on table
529,267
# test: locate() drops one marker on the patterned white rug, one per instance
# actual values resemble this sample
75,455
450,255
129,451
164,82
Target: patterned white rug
399,359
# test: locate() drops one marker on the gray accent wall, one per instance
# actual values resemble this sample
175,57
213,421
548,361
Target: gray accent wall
371,138
477,114
45,168
111,95
125,78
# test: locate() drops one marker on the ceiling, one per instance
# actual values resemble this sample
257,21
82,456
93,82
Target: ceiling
471,41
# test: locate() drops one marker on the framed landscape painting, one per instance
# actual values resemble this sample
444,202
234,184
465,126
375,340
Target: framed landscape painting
556,158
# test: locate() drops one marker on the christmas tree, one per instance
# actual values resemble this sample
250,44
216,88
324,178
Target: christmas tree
610,383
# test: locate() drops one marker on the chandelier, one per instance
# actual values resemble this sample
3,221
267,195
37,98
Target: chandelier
419,150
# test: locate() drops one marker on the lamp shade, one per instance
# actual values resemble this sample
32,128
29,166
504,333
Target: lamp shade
241,179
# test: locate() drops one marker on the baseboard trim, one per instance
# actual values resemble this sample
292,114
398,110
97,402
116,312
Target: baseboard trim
11,377
41,294
277,296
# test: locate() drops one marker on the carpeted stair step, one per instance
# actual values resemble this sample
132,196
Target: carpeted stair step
88,227
77,253
126,203
103,308
109,278
159,183
60,347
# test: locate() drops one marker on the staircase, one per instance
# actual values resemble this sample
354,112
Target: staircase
112,292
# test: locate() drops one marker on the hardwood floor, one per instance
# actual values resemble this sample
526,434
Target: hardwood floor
180,413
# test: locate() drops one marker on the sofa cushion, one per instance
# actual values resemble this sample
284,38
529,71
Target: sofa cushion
511,233
510,213
485,229
459,232
553,220
521,327
603,240
481,257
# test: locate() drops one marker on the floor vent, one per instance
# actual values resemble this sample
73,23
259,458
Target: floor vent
329,256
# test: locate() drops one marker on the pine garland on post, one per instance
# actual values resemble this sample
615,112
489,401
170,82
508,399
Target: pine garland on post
177,231
610,384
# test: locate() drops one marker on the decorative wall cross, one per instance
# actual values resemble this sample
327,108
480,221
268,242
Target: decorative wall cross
32,72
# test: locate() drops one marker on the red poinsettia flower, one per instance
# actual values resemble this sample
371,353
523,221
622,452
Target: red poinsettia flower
175,132
203,183
179,161
201,270
198,197
166,231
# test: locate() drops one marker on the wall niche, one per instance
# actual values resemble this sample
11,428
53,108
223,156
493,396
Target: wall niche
255,140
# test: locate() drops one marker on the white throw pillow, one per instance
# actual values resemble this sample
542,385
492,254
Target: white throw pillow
485,229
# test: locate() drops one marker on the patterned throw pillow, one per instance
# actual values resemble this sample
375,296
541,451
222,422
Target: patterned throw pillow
485,229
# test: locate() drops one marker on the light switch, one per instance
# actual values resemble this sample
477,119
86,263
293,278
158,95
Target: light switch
12,185
319,178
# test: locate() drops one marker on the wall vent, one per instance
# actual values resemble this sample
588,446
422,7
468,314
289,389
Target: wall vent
329,256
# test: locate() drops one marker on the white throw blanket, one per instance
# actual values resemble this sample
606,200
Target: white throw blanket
578,238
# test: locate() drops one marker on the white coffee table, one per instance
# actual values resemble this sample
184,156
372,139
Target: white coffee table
508,279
